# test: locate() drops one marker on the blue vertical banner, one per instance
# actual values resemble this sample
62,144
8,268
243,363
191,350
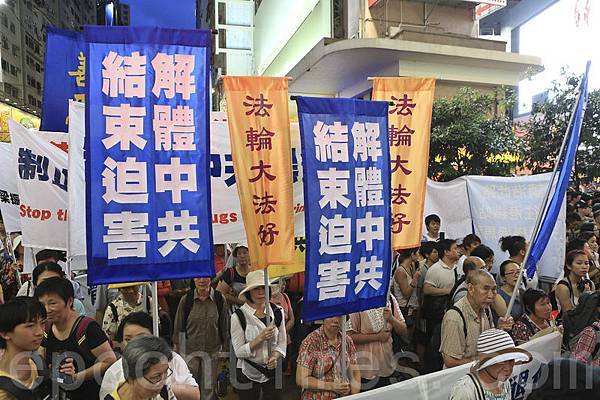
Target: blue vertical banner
147,147
346,165
562,176
64,77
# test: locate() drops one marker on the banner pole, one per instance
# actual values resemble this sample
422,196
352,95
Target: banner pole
267,308
154,305
344,347
542,211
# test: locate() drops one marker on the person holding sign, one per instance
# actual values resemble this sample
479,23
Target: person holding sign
371,331
319,372
258,342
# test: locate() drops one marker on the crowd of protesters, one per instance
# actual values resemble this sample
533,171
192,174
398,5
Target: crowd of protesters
226,335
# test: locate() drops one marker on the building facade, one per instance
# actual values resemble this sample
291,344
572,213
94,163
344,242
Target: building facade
22,29
331,47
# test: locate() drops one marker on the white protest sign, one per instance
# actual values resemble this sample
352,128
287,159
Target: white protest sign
42,182
438,385
509,206
450,201
9,192
77,223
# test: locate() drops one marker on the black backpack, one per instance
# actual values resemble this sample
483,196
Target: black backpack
434,307
277,315
577,319
455,289
39,390
189,303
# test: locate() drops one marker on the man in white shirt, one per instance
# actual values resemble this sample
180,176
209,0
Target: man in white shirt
439,282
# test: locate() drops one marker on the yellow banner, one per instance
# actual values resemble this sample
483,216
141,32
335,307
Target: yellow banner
297,265
409,124
259,130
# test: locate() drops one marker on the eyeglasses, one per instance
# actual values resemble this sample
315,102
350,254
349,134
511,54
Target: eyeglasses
161,377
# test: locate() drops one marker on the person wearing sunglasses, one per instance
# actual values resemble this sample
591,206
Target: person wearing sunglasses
146,370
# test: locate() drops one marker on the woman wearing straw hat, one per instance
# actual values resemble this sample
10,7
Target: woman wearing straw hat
258,345
489,376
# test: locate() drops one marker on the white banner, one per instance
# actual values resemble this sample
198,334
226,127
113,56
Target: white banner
77,223
228,226
450,201
42,182
9,192
437,386
509,206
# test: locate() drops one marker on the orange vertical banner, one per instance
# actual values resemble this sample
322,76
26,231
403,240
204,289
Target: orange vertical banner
409,124
259,130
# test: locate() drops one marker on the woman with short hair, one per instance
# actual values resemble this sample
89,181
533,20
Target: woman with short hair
146,369
537,314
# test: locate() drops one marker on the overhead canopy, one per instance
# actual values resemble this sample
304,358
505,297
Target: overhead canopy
341,67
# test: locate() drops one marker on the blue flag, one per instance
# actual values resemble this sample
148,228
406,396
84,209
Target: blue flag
566,161
64,77
346,165
147,155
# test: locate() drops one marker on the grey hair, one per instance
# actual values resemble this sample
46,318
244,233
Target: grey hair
475,276
142,353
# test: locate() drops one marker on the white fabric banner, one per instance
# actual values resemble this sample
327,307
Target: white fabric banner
437,386
9,192
42,182
228,226
450,201
77,223
503,206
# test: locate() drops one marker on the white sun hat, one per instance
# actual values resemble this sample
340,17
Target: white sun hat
254,279
495,346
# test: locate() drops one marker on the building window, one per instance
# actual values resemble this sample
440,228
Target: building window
13,70
15,50
4,42
39,104
12,28
5,66
38,68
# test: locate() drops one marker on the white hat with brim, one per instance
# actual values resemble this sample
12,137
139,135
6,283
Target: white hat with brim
496,346
254,279
519,356
17,241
